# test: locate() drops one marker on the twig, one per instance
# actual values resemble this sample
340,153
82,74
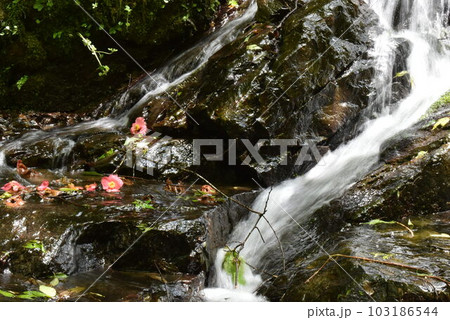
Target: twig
255,227
242,244
433,277
260,214
288,15
262,271
404,226
391,264
223,194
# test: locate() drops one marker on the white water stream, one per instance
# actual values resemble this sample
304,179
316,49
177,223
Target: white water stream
423,23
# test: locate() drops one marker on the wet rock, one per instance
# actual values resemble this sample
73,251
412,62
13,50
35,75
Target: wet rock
307,79
409,186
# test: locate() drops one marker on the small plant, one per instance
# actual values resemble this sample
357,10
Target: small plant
21,82
233,264
128,12
104,69
35,245
140,205
144,227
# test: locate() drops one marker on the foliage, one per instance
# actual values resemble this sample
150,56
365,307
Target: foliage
38,37
233,264
441,123
144,227
35,245
21,82
140,205
97,54
444,100
107,154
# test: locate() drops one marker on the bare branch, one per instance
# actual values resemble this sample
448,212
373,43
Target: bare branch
391,264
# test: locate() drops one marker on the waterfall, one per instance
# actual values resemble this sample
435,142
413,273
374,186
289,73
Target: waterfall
423,24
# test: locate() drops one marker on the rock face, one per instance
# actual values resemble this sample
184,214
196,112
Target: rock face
79,234
302,74
409,186
307,78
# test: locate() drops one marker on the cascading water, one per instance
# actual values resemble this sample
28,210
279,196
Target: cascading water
173,73
423,24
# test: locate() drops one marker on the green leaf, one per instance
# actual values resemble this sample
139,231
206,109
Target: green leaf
21,82
54,282
35,244
7,294
6,195
30,295
38,6
61,276
48,291
378,221
233,264
401,74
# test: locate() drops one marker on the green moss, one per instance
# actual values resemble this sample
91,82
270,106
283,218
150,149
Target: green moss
444,100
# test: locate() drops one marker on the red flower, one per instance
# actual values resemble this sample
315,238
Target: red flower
112,183
14,186
139,126
91,187
43,186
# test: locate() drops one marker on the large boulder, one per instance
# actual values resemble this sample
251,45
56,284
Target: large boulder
297,74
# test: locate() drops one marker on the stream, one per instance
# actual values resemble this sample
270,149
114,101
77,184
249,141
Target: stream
292,202
84,233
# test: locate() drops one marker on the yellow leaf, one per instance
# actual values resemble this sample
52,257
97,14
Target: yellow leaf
441,123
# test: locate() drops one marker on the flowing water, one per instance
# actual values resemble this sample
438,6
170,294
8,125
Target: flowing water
159,82
423,24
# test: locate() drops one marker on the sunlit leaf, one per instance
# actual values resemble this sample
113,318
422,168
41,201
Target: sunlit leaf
48,291
54,282
233,264
29,295
253,47
378,221
441,123
401,74
440,235
7,294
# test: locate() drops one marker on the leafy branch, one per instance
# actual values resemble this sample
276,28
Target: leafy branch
104,69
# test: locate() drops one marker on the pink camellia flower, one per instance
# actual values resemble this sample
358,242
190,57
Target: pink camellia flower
43,186
91,187
112,183
14,186
139,126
